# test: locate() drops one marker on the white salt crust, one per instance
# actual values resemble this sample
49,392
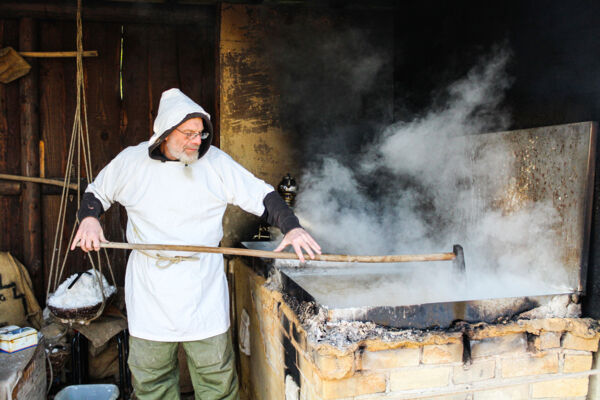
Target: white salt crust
84,293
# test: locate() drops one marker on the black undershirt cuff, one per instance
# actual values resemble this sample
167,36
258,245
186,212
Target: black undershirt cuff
90,207
277,213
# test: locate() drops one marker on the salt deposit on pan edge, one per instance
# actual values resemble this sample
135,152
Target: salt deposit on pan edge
84,293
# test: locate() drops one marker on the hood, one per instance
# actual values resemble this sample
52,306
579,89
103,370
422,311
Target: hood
174,109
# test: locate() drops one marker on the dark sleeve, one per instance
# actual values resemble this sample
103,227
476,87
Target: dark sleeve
277,213
90,207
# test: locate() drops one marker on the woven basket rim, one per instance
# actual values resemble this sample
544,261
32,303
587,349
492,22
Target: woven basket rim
78,313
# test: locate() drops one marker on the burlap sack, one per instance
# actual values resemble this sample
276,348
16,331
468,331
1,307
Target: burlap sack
12,65
104,363
18,305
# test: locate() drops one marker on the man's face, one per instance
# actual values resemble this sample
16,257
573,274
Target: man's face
179,147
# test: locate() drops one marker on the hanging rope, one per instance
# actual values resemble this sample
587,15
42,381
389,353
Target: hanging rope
79,148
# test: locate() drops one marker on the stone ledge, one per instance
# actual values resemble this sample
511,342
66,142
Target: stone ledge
389,359
581,327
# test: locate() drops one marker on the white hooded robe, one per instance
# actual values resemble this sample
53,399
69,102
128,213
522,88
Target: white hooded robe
173,203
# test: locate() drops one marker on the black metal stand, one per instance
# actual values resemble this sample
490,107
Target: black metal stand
124,373
79,359
80,367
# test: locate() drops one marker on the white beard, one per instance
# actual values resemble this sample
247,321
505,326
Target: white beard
182,156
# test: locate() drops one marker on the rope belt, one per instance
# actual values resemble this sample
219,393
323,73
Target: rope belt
166,261
162,261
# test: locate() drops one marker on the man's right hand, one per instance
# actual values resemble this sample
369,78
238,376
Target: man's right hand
89,235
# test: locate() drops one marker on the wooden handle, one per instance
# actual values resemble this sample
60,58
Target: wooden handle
36,180
57,54
289,256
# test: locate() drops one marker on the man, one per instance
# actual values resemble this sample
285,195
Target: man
175,188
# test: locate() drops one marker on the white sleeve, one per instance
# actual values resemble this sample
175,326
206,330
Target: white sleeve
108,182
241,187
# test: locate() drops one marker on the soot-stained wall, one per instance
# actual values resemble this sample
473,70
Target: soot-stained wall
295,82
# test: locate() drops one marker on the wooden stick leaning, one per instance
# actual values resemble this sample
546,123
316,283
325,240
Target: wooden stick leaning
57,54
36,180
290,256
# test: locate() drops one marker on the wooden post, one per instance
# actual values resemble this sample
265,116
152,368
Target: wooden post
30,139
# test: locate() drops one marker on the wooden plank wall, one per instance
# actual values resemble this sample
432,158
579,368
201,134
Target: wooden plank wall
10,151
155,58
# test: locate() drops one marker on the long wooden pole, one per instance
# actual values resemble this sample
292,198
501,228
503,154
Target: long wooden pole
34,179
289,256
30,139
57,54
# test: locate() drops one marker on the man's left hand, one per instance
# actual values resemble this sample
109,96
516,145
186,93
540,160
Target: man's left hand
300,240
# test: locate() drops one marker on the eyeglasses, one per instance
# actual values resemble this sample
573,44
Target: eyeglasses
193,135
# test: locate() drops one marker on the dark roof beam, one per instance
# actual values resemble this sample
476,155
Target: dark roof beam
104,11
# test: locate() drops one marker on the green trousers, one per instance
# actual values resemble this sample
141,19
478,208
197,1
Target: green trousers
155,372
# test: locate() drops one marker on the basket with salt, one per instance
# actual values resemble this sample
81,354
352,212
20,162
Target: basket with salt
79,298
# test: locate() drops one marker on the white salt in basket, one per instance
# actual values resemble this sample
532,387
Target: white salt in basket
79,298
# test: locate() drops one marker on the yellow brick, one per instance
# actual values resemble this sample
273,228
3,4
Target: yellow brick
334,367
547,340
577,362
530,365
514,343
465,396
298,337
356,385
573,342
478,371
444,353
561,388
307,390
308,370
520,392
419,378
387,359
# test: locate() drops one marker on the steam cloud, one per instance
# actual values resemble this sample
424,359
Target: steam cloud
426,183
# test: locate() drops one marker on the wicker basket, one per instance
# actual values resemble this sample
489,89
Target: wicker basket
80,315
59,358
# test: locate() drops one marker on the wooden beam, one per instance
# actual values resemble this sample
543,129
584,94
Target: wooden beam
10,188
105,11
30,139
57,54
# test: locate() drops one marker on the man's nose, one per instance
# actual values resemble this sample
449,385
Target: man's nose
196,141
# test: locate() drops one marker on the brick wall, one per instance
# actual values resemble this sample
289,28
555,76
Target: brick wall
526,359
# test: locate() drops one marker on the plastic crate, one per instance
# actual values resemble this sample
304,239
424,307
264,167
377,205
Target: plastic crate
89,392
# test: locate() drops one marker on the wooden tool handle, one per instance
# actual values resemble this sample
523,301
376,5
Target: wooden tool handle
57,54
282,255
37,180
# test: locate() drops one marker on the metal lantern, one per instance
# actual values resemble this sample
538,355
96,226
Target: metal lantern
288,189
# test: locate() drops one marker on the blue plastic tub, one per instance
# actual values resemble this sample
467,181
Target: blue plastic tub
89,392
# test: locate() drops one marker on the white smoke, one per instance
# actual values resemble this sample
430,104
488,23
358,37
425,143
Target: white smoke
427,183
